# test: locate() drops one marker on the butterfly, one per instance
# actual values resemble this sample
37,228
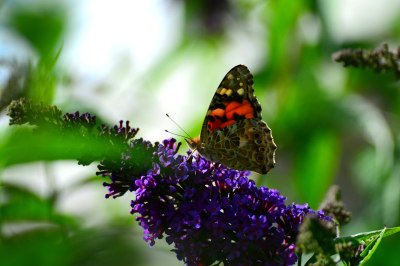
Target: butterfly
233,133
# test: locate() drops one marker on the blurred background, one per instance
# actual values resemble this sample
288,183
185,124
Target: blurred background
137,60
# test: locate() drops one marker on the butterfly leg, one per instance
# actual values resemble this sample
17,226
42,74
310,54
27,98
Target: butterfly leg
187,159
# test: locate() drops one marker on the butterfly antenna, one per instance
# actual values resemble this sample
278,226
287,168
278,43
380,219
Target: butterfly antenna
178,126
176,134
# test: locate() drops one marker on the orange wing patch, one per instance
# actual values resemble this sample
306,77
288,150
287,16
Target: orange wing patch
222,118
241,109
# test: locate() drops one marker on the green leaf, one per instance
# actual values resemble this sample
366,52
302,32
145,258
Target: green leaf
369,250
42,27
366,238
20,146
24,205
43,79
37,247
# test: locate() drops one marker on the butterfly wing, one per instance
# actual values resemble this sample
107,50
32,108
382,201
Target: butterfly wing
232,131
234,100
245,145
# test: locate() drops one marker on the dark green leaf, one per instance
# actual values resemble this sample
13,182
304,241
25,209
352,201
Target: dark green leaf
366,238
42,27
370,249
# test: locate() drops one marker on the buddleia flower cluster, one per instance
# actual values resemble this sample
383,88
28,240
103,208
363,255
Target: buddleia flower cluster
209,213
381,60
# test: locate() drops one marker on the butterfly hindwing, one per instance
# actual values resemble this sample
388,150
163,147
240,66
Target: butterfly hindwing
245,145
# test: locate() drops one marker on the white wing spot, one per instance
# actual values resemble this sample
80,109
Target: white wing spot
230,76
223,91
240,91
241,84
228,92
243,143
238,79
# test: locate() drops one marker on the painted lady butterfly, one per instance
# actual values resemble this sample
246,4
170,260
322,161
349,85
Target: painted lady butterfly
233,132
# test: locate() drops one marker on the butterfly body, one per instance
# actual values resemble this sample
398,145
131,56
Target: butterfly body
233,132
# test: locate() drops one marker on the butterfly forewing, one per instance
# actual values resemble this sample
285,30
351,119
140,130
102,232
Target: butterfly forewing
233,132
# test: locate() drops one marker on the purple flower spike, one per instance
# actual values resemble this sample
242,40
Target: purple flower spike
207,211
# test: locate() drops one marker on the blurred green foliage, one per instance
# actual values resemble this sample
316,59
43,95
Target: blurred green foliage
332,125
